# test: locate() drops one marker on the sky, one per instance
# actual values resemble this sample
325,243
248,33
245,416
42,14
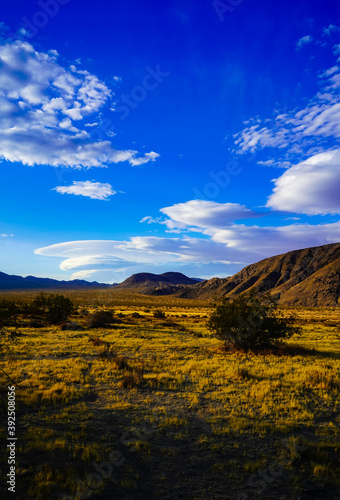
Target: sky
182,135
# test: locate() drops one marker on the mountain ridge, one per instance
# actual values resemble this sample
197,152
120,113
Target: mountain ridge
156,284
15,282
306,277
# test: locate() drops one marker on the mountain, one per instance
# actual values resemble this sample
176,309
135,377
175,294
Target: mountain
156,284
308,277
13,282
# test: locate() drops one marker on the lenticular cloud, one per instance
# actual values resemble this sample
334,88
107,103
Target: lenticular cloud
312,187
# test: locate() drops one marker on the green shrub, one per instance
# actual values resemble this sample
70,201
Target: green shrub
54,308
99,319
158,314
8,312
250,322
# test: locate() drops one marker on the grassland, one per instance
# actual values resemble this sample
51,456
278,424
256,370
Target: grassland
155,408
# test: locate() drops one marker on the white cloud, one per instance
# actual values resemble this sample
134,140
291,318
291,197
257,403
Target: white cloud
268,241
5,235
331,29
305,131
227,250
152,156
305,40
311,187
42,107
84,275
90,189
201,213
336,49
267,163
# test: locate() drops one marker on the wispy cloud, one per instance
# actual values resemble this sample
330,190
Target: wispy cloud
305,131
232,247
42,109
330,30
305,40
89,189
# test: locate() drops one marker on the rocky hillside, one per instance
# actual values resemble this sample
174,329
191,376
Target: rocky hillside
308,277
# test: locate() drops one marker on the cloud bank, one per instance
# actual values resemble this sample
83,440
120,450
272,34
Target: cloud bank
42,108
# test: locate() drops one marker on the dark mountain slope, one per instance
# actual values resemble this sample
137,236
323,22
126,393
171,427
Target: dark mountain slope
156,284
308,277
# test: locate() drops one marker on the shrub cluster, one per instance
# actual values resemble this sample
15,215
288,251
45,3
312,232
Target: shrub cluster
158,314
99,319
8,312
250,322
45,308
53,308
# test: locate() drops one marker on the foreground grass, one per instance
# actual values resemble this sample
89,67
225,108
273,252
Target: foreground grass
161,411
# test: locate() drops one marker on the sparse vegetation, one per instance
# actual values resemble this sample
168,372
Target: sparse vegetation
250,322
8,312
53,308
99,319
178,414
158,314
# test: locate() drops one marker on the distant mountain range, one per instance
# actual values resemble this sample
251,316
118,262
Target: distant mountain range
157,284
308,277
13,282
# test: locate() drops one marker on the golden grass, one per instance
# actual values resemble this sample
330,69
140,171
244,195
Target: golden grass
166,397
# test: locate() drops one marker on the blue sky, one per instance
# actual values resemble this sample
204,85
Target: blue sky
179,135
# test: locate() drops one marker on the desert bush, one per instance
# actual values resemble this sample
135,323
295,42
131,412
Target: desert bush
158,314
72,326
54,308
99,319
121,363
250,322
96,341
132,379
83,312
8,312
174,325
136,315
37,323
243,373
